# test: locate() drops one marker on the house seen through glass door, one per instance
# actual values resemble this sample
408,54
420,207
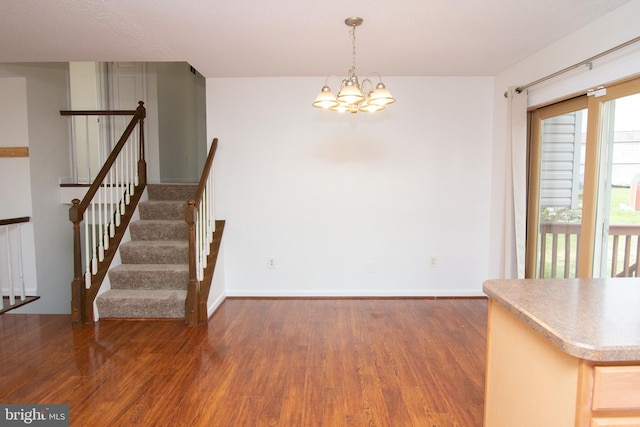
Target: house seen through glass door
617,245
584,186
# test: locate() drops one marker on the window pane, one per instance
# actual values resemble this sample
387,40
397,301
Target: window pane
560,198
619,189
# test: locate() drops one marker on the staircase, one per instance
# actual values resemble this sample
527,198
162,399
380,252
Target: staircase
152,280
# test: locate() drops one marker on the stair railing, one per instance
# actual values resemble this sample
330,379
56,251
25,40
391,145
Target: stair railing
106,210
205,235
15,279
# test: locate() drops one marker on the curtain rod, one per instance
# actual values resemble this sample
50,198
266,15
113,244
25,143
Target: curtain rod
574,66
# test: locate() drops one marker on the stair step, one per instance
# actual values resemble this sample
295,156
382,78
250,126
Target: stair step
155,252
129,304
182,192
162,209
159,229
151,282
149,276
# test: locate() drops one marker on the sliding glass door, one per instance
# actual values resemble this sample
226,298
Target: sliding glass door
618,201
555,189
584,186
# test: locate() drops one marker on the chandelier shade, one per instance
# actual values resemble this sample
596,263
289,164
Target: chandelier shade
350,96
325,99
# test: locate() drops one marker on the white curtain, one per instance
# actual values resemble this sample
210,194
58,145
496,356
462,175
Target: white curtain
516,185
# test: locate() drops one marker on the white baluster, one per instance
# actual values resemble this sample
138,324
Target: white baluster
74,150
117,190
99,227
206,239
125,155
202,222
87,245
12,299
87,148
1,296
136,152
94,260
212,219
112,225
105,212
101,145
21,269
132,163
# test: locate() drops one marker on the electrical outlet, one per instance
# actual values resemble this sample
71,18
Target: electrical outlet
271,263
433,262
371,266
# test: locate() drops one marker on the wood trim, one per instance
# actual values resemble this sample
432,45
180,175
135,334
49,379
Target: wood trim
198,291
533,195
534,164
10,221
585,393
586,246
97,112
212,259
14,151
18,303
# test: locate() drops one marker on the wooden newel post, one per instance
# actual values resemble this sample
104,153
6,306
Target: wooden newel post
142,164
193,287
78,290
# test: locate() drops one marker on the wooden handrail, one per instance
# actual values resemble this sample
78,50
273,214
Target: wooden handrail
98,112
205,172
82,297
139,115
10,221
198,290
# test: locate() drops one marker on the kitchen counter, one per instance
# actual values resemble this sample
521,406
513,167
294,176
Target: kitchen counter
592,319
563,353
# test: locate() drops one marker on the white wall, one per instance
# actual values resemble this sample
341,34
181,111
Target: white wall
181,122
47,91
611,30
353,205
17,246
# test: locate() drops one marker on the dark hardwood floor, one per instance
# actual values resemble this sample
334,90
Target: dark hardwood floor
259,362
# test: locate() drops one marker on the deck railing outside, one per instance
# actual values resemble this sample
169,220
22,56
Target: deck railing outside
559,243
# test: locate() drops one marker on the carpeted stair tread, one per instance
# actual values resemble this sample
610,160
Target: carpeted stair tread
149,276
162,209
152,280
155,252
118,303
159,229
172,191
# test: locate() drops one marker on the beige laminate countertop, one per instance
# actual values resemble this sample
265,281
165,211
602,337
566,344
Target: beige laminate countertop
592,319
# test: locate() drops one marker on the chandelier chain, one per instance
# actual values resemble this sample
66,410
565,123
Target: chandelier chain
354,95
353,44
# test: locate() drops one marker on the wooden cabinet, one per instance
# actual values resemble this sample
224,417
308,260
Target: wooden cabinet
616,388
616,422
532,383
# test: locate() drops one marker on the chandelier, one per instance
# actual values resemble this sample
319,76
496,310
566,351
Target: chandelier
350,96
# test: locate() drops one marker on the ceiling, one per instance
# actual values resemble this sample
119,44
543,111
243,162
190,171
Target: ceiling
245,38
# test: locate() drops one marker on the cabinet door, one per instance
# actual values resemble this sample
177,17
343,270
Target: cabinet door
617,422
616,388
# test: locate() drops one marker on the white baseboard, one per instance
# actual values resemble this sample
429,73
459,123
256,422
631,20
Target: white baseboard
212,306
449,293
